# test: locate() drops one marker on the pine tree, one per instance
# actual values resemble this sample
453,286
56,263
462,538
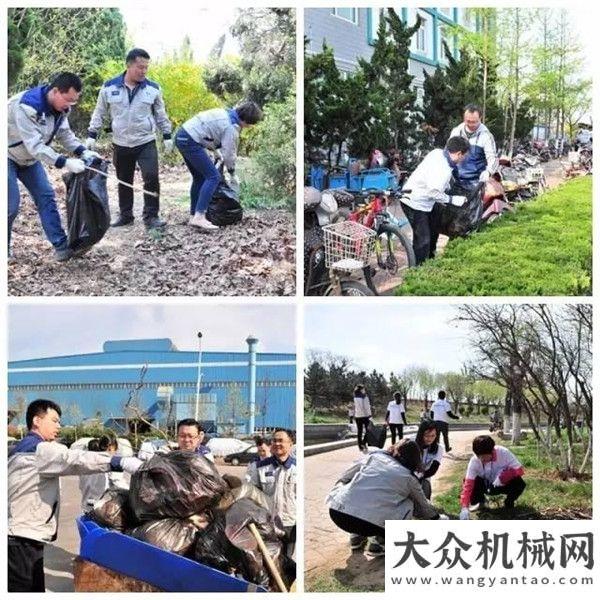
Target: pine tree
394,118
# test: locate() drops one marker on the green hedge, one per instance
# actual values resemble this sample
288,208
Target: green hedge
544,248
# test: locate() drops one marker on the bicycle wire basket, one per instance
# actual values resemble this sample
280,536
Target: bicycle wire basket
348,245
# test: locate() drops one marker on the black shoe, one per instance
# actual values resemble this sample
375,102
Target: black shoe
509,504
63,254
155,223
375,547
122,221
448,449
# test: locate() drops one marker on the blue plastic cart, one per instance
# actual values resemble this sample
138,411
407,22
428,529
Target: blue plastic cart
165,570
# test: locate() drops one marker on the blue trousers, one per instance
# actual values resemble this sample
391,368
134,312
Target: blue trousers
36,182
205,177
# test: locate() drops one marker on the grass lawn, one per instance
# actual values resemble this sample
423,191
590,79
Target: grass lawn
546,496
544,248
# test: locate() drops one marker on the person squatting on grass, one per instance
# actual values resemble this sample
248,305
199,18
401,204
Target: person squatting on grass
362,415
218,130
380,486
427,185
35,118
35,465
431,454
135,107
493,470
395,417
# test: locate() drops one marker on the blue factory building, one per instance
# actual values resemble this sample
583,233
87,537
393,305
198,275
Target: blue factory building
238,392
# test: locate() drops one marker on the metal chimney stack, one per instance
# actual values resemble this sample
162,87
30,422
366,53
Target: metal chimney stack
252,343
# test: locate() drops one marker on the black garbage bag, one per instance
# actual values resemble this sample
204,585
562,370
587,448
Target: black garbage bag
175,535
224,208
88,215
459,221
376,435
178,484
214,549
112,510
237,518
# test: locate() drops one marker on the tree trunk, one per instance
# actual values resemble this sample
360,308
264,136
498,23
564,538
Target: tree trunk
516,427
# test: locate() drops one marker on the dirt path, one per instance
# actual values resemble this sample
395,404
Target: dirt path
327,555
254,258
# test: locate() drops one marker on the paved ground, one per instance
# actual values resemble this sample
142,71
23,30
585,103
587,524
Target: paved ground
326,550
59,556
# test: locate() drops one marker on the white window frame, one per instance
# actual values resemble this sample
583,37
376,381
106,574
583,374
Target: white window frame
354,21
374,22
426,32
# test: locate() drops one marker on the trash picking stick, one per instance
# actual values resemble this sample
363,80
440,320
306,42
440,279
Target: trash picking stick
268,559
133,187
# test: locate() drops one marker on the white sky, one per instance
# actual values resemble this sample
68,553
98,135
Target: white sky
49,330
389,337
160,29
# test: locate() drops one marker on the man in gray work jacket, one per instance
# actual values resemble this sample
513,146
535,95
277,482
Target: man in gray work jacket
36,117
136,109
34,467
275,476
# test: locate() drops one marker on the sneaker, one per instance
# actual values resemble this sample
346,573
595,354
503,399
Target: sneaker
200,221
478,506
357,541
448,450
122,222
63,254
509,504
155,223
375,547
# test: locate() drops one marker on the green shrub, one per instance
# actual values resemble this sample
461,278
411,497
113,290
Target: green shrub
544,248
272,148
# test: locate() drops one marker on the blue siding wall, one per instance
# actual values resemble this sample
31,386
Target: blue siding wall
100,383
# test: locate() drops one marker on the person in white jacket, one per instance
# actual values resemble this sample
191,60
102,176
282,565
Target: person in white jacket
362,415
427,185
93,486
35,465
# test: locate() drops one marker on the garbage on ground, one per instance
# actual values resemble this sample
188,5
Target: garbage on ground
88,214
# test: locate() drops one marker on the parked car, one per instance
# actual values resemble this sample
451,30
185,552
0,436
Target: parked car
242,458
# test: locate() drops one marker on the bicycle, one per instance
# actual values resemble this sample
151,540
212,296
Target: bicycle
393,247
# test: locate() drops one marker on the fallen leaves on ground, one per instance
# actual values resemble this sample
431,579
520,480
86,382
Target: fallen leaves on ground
253,258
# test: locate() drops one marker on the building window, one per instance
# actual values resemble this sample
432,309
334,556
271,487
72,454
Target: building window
374,19
348,14
443,36
423,40
448,12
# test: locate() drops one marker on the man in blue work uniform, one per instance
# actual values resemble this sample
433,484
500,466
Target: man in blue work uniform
190,435
35,118
136,108
481,162
275,476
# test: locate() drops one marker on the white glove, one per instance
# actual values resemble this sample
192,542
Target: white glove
168,145
444,518
75,165
497,482
458,200
90,143
464,514
218,155
130,464
89,155
484,176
